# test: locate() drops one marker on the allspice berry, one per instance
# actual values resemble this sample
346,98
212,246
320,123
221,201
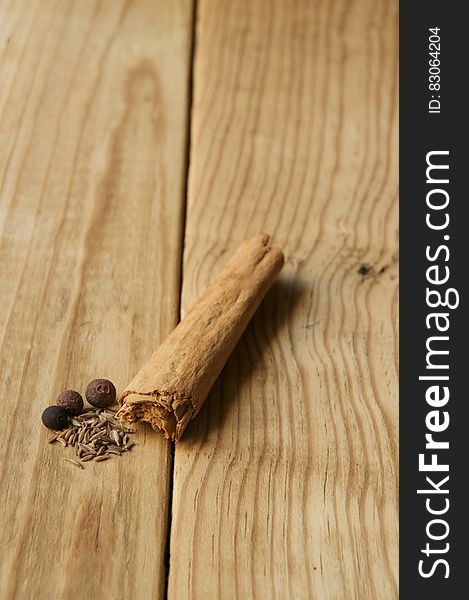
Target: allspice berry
55,417
101,393
72,401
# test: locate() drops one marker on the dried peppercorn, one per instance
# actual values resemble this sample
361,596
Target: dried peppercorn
55,417
100,393
71,400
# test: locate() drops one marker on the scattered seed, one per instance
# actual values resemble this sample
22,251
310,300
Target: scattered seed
88,414
112,451
94,435
68,434
73,462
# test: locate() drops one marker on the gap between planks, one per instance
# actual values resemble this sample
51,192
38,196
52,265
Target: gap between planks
190,84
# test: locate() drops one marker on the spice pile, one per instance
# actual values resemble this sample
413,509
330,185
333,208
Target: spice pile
95,434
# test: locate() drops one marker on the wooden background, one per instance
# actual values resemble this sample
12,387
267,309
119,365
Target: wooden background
140,142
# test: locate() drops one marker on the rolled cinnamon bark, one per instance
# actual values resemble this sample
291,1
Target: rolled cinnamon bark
172,385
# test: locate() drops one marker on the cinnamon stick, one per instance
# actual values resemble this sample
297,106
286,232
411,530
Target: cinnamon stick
172,385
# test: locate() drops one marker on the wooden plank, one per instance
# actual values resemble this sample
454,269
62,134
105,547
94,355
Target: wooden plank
93,109
286,486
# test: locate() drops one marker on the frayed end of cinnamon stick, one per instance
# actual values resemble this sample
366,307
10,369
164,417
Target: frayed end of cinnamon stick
165,412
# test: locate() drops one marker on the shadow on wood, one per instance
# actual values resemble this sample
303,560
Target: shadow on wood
253,350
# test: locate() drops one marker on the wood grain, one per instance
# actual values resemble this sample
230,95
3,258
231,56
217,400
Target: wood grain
286,484
93,114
